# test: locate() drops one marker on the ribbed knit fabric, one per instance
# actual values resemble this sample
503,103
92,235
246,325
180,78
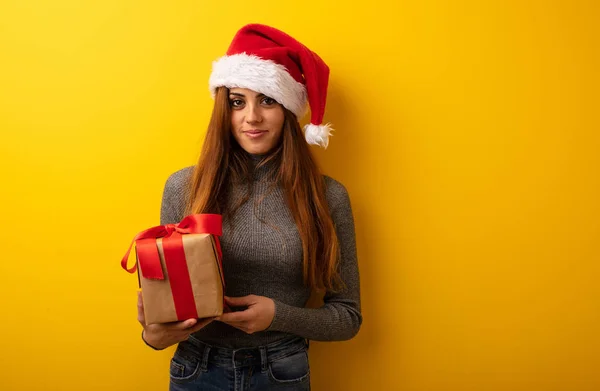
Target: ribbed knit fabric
262,255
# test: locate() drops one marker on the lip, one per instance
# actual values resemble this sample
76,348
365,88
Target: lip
254,133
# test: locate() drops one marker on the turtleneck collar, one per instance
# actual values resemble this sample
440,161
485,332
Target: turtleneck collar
255,158
263,172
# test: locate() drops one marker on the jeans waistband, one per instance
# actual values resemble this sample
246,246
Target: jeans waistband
242,357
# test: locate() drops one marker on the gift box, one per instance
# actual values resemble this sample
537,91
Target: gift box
180,269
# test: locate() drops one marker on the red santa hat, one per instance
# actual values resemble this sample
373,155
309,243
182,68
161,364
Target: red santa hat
267,60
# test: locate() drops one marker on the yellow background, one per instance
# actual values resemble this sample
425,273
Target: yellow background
467,134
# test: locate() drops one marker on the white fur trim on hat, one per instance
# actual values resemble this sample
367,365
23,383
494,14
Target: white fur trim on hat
318,134
260,75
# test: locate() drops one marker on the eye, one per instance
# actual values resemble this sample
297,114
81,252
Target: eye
268,101
235,103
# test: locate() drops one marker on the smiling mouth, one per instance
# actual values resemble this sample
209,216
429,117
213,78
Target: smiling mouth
254,133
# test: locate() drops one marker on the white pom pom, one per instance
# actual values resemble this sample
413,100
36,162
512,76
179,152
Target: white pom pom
318,134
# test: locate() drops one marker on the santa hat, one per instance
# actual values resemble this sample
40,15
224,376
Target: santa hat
266,60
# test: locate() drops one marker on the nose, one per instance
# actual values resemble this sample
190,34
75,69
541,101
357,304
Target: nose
253,114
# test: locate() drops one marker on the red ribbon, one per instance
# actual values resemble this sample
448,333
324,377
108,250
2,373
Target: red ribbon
149,259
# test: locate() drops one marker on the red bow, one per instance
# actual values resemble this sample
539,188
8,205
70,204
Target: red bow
198,223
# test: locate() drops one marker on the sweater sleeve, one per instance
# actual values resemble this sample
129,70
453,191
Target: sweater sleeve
172,207
340,316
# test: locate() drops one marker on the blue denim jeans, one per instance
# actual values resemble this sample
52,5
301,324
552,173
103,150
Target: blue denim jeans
279,366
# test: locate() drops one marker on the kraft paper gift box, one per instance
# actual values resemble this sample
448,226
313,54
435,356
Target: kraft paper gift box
180,269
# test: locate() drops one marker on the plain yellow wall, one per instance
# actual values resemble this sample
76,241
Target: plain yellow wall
467,136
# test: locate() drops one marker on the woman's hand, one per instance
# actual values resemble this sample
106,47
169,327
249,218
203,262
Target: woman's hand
163,335
258,315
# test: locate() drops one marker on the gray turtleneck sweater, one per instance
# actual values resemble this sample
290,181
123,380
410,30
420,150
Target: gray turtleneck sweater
265,258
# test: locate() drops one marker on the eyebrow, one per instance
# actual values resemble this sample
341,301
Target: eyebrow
243,96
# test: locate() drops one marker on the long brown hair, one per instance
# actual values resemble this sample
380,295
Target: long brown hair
222,160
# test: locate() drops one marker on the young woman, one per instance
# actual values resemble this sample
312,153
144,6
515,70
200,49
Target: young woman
287,229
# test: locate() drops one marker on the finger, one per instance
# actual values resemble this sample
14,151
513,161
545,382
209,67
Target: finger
186,324
233,317
140,306
240,301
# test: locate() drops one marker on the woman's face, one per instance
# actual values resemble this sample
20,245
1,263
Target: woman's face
256,120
